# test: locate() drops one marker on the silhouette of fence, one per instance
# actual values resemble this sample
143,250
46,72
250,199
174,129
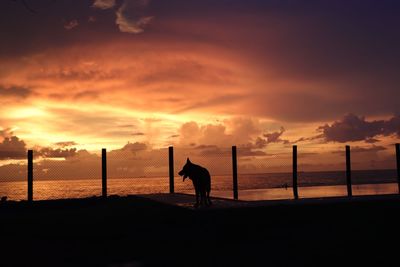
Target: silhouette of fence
264,175
314,179
136,170
237,172
76,177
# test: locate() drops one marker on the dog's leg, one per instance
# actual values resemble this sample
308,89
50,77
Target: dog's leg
196,190
203,199
208,198
196,205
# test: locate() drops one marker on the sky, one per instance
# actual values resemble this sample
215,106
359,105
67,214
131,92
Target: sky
137,76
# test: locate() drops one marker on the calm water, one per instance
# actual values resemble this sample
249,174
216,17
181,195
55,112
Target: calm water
252,186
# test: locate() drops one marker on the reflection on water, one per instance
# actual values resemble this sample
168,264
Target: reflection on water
256,187
311,192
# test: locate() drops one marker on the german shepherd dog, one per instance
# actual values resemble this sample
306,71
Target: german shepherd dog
201,181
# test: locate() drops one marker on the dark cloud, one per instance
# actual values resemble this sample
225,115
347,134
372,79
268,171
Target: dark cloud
15,91
372,140
275,137
131,147
213,151
88,94
353,128
75,74
7,132
373,149
82,95
260,143
358,149
138,134
12,148
250,150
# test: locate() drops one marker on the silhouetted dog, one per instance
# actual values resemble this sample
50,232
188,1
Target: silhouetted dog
201,181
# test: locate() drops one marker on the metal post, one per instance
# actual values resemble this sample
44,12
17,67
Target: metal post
295,191
104,172
30,175
398,164
234,173
171,169
348,172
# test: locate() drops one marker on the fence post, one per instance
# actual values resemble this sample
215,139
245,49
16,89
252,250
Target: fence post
104,172
171,170
30,175
234,173
348,172
398,164
295,191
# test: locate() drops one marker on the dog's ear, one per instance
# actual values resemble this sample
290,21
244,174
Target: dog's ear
188,160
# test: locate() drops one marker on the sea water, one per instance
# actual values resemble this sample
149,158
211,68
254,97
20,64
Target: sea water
261,186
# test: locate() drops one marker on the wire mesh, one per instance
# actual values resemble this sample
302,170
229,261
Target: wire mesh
217,160
13,174
266,174
262,174
77,175
373,170
321,171
136,169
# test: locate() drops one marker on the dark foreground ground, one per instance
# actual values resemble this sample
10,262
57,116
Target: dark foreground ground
134,231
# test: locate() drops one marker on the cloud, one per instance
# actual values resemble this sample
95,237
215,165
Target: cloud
66,144
352,128
104,4
88,94
130,148
15,92
130,18
48,152
373,149
217,139
275,137
71,24
7,132
138,134
12,148
362,150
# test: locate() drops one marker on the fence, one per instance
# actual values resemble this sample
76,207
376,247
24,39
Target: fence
287,175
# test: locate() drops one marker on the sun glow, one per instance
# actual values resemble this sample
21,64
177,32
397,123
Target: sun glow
25,113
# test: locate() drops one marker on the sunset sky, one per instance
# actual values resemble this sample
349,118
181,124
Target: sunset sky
77,76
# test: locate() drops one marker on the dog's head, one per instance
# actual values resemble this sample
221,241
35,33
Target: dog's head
186,170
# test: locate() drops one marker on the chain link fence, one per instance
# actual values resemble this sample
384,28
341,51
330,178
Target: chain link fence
265,175
75,176
326,179
13,173
373,170
137,170
262,174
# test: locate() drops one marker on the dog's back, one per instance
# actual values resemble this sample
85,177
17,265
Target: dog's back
201,177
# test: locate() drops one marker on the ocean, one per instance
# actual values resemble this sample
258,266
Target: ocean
261,186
